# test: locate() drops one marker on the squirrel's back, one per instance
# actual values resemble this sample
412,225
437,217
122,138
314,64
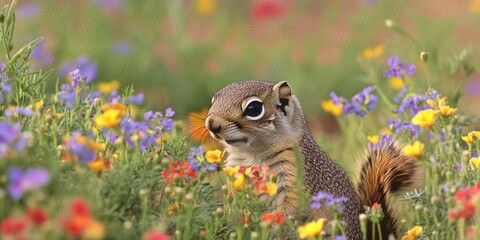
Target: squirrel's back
262,123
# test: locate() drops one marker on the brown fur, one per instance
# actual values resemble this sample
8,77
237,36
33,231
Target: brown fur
384,172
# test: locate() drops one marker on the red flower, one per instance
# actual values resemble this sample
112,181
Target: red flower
267,9
12,226
465,199
155,235
273,218
375,206
37,215
79,219
178,169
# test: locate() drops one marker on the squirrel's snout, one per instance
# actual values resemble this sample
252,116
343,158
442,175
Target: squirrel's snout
213,126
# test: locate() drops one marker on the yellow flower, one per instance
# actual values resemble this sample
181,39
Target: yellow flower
271,188
425,118
231,171
214,156
95,230
311,229
373,138
37,105
475,163
414,150
108,119
108,87
446,111
96,166
239,183
468,138
396,83
413,233
373,52
330,107
205,7
116,106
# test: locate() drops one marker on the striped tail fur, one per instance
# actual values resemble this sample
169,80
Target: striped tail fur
385,171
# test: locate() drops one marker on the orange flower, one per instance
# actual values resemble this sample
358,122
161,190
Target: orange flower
273,218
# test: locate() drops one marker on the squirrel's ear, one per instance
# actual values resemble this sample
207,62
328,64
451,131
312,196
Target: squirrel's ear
283,89
283,93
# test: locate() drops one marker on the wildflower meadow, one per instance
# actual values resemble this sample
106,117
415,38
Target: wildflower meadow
86,156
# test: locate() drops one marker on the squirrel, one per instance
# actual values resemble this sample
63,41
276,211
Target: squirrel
261,123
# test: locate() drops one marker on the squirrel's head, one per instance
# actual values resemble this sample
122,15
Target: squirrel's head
253,114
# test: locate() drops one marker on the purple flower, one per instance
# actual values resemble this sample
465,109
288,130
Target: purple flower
360,103
80,149
416,102
11,138
150,115
383,141
169,112
328,199
67,95
398,68
211,167
25,111
40,55
136,99
397,126
167,124
84,65
193,157
20,181
28,10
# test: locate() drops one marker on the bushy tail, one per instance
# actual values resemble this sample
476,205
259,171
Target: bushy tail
385,171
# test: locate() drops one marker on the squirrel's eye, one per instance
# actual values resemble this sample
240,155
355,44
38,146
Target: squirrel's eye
254,110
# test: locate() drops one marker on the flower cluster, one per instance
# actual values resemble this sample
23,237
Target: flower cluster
71,92
16,111
467,201
379,141
257,177
359,105
414,102
178,170
11,139
81,148
210,159
147,133
398,68
329,200
398,125
79,223
273,218
88,68
16,227
23,181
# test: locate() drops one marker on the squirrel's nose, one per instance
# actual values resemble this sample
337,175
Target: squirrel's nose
212,127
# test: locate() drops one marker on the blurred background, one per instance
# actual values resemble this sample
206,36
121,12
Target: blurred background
180,52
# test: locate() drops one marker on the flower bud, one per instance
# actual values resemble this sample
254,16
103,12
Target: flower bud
389,23
424,56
